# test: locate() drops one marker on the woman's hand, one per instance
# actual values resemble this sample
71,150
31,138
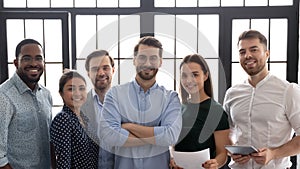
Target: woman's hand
173,164
211,164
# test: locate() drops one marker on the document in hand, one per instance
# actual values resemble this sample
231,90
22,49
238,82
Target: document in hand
191,160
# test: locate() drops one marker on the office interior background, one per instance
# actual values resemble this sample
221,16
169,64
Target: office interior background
70,29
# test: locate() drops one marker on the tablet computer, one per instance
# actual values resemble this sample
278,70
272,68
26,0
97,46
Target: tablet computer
242,150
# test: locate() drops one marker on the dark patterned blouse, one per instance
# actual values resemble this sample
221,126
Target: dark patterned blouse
74,149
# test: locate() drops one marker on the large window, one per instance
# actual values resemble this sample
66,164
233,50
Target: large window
71,29
276,32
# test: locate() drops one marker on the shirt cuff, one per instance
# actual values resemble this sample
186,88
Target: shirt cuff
3,161
157,132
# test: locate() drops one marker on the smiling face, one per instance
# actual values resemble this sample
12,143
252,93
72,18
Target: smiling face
74,93
101,72
192,78
30,64
147,62
253,56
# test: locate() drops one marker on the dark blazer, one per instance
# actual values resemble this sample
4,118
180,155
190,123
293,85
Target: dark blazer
91,117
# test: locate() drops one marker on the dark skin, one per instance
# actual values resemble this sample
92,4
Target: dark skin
29,70
7,166
30,64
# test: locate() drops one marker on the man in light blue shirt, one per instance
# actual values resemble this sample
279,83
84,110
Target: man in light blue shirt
25,112
100,68
141,118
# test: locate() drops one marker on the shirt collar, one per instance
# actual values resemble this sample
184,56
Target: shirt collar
96,97
140,89
260,83
21,86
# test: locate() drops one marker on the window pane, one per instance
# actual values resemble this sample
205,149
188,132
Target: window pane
208,42
126,70
85,35
178,62
278,69
232,3
129,34
38,3
183,49
14,3
42,79
186,35
108,33
85,3
129,3
53,41
34,29
209,3
238,75
11,70
53,74
278,40
256,2
186,3
61,4
280,2
15,33
56,110
168,44
238,26
80,67
165,75
262,25
127,45
213,65
165,34
164,3
107,3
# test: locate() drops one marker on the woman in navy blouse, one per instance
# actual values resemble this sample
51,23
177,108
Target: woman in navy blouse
73,147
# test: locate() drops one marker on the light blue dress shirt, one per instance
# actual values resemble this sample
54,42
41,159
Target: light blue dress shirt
106,158
157,107
25,117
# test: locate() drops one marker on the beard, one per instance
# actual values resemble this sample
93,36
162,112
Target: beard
255,71
102,84
28,79
146,75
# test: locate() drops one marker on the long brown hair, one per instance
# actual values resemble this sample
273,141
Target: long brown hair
196,58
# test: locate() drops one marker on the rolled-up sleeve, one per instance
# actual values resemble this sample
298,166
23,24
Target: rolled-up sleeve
171,122
110,128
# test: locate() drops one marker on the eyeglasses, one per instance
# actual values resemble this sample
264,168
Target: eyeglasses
143,59
30,59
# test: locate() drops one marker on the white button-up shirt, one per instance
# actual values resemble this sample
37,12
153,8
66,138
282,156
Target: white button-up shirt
263,116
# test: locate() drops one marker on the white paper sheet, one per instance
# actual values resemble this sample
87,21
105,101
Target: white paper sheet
191,160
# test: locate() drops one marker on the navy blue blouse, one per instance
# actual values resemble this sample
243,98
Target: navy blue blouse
73,147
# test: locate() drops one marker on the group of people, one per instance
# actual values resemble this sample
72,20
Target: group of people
132,125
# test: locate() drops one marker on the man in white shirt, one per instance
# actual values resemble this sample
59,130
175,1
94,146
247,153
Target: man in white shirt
263,111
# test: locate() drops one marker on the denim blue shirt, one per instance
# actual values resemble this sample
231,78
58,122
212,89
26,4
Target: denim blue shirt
157,107
25,117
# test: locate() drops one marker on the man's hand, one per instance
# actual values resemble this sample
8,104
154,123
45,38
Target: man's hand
263,156
240,159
